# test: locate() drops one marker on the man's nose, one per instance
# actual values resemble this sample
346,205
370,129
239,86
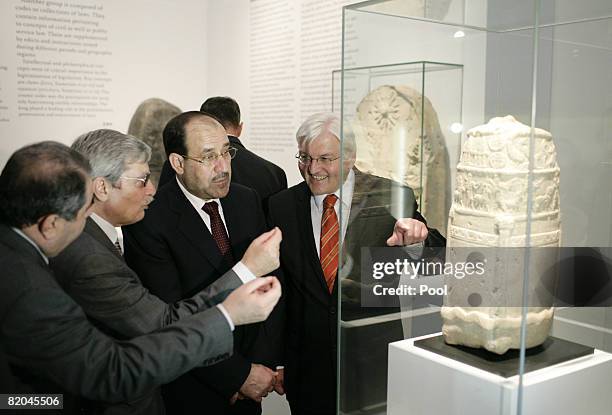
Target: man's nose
221,164
150,188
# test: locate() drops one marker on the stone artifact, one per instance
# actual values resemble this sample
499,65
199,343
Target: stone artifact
392,142
148,123
488,220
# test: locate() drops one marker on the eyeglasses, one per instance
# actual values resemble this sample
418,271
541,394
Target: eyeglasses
209,159
305,159
144,180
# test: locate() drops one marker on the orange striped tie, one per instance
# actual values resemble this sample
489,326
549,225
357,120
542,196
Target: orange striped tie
330,239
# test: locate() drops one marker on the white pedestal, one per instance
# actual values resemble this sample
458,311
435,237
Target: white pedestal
426,383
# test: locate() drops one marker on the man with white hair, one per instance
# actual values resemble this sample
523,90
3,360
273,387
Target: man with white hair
308,216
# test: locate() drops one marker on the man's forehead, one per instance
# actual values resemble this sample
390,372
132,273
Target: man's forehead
325,142
205,131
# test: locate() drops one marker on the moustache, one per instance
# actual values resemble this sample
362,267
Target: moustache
220,177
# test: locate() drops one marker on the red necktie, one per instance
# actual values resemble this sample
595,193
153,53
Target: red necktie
218,229
118,247
330,239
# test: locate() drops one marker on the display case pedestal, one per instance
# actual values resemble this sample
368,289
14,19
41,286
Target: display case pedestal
426,383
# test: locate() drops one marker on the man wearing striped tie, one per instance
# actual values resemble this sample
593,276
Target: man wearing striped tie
313,236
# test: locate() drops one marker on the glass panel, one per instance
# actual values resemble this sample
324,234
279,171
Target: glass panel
425,93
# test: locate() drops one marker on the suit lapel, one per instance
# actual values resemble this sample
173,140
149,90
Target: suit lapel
93,230
362,199
304,220
190,224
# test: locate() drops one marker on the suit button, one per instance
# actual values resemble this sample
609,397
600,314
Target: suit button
332,310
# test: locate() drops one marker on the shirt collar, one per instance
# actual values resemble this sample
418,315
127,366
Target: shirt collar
347,192
31,242
109,230
197,202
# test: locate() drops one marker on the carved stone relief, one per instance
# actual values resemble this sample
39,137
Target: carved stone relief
398,136
490,210
148,123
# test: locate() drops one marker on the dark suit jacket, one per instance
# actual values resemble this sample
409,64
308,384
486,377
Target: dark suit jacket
52,346
312,314
94,274
248,169
8,382
176,256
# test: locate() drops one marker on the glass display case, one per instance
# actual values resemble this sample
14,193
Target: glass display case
495,118
385,102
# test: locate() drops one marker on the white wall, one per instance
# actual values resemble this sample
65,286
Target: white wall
155,49
276,58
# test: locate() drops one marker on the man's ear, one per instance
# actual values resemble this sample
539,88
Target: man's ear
176,162
239,129
101,188
49,226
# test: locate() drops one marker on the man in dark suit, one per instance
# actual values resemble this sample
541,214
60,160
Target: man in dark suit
197,225
308,215
45,199
248,168
8,382
92,269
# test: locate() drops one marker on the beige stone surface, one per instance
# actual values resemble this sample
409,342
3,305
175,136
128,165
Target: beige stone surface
398,136
148,123
489,211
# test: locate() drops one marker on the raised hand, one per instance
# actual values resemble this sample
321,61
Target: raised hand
407,231
253,302
262,255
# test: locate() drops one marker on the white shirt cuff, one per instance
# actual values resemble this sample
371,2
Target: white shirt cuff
243,272
226,315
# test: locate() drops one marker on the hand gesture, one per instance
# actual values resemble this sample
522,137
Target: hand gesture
407,231
253,302
262,255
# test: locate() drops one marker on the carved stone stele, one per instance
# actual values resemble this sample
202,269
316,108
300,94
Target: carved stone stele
489,211
148,123
398,137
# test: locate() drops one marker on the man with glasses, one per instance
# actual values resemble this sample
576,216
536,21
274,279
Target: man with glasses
309,216
196,228
248,168
46,196
92,269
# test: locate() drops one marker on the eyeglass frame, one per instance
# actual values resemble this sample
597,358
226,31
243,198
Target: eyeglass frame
144,180
209,161
325,160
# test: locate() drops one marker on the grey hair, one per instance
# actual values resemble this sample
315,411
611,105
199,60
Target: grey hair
110,152
318,123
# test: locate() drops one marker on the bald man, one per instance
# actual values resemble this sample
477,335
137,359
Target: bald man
197,228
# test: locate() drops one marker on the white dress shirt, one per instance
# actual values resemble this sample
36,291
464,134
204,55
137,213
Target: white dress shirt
113,233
